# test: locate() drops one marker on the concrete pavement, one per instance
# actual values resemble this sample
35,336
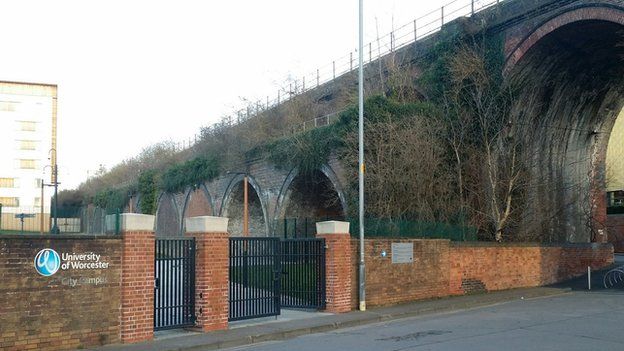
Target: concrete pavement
575,321
282,330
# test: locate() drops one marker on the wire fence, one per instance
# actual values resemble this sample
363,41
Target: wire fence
416,30
70,220
380,228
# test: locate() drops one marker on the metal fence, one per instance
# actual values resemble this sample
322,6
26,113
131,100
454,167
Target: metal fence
15,220
418,29
69,219
303,273
380,228
174,290
254,278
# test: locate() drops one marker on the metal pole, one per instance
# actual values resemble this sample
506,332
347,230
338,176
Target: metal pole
415,31
472,8
442,10
41,219
350,61
55,229
362,289
245,234
245,209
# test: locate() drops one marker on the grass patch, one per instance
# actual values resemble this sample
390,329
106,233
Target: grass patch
298,280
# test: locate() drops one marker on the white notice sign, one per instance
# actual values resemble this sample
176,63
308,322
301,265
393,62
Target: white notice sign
402,252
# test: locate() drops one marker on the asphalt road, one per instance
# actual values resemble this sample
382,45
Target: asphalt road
575,321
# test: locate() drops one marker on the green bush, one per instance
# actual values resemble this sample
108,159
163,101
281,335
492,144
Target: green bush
147,192
111,199
190,173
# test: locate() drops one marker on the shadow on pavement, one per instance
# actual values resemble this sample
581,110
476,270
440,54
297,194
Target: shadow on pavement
597,280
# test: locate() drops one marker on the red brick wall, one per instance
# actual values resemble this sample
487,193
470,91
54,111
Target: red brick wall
390,284
615,231
137,293
212,280
198,204
442,268
486,266
338,270
47,313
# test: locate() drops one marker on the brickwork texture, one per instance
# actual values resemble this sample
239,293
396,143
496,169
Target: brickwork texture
137,287
441,268
212,280
68,310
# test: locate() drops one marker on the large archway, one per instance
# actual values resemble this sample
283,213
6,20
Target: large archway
306,199
167,220
571,73
198,202
233,204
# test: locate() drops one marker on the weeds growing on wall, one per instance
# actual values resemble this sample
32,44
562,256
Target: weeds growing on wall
147,192
190,173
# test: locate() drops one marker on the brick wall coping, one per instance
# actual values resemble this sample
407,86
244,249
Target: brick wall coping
332,227
134,222
511,244
60,237
206,224
616,215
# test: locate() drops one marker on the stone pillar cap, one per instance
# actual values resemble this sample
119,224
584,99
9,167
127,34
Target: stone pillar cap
332,227
206,224
134,222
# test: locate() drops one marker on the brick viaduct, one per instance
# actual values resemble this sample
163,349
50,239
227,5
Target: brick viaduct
569,56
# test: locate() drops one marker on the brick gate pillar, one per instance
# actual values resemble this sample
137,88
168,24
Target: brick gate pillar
137,278
337,264
211,270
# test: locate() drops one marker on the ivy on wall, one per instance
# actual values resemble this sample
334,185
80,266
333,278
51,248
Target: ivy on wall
190,173
147,192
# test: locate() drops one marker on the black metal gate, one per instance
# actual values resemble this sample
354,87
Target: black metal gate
303,273
174,289
268,273
254,278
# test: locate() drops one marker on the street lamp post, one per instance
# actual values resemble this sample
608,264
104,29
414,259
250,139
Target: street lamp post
55,229
362,268
55,183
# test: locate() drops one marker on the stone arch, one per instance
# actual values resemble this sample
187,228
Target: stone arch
167,216
595,12
314,196
197,202
570,69
232,207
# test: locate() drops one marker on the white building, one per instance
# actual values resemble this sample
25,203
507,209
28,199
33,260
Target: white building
28,149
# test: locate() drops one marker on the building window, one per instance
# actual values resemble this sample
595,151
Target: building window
37,202
28,126
9,201
28,145
38,182
27,164
7,182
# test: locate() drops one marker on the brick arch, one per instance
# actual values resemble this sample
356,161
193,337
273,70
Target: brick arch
286,185
600,12
570,93
206,204
165,226
227,198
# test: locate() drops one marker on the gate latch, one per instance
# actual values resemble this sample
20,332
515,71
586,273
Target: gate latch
156,283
